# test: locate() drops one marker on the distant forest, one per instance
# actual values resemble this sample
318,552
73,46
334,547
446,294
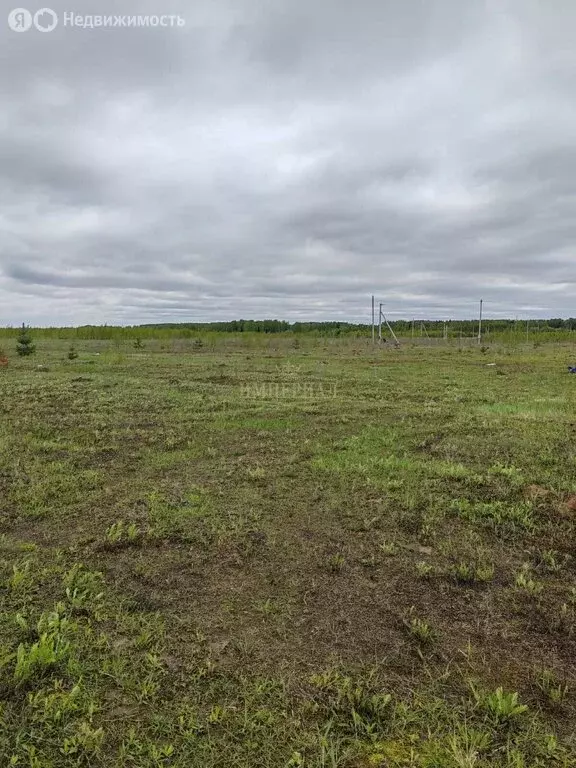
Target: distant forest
403,328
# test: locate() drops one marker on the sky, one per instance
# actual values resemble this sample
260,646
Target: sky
288,159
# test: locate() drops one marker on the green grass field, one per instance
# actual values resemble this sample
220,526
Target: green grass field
287,554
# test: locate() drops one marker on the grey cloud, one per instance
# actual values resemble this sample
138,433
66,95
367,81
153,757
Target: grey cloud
290,159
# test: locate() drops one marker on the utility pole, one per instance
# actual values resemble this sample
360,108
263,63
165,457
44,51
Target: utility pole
480,324
373,329
380,322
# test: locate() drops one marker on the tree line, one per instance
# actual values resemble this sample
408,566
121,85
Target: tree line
405,328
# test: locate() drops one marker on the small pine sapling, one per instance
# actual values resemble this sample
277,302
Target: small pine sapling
24,344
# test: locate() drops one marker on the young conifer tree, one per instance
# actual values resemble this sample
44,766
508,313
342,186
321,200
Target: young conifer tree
24,344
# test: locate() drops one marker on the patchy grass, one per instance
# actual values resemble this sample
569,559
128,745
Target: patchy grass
323,556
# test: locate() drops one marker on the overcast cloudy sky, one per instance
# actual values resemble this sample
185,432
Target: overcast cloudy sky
287,158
